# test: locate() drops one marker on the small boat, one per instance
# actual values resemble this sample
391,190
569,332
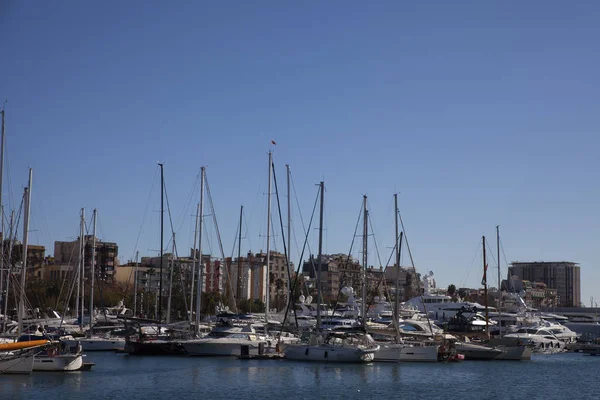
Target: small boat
18,357
62,354
16,362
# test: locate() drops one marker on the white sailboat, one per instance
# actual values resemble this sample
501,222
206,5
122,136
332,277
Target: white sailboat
348,347
93,341
397,349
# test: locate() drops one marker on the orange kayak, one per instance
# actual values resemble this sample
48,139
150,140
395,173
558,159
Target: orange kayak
22,345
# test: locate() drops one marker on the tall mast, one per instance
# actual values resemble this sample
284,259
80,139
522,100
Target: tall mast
27,196
365,257
10,248
172,265
3,296
93,268
485,290
200,266
135,279
82,275
194,262
499,281
396,298
79,261
268,266
162,212
239,266
289,238
320,256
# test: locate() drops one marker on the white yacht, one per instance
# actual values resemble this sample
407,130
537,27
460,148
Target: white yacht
335,347
398,350
227,342
542,340
100,343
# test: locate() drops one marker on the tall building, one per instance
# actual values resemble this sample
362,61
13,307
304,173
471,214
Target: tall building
106,258
35,257
564,276
246,277
337,271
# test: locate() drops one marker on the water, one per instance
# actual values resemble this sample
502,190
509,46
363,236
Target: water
119,376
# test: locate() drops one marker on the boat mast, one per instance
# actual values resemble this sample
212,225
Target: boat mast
364,268
267,267
485,291
3,296
289,238
79,260
200,266
162,212
398,244
82,275
194,260
499,281
10,248
93,268
172,265
27,197
135,278
320,256
239,266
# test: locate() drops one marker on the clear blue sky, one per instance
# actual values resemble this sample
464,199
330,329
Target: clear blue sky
477,113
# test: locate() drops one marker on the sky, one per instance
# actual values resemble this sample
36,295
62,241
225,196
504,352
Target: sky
477,114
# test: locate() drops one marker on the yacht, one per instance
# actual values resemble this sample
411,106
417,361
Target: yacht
228,341
398,350
64,354
350,346
542,340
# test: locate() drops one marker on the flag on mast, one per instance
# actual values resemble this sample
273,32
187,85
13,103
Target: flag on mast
273,142
484,279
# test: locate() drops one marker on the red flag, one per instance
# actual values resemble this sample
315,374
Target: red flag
273,142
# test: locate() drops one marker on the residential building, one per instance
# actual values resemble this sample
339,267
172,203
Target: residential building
564,276
35,258
106,257
408,281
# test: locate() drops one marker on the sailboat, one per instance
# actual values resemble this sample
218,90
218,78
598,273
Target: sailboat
227,340
497,349
352,346
64,353
396,349
152,337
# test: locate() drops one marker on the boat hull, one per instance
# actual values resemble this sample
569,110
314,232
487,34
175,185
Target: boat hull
223,348
154,348
67,362
477,352
327,353
99,344
398,352
16,364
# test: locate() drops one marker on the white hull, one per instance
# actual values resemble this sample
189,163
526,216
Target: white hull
398,352
16,364
221,347
101,344
302,352
57,363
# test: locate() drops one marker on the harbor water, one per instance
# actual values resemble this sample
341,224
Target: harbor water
120,376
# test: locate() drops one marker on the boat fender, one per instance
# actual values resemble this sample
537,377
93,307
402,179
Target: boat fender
51,352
